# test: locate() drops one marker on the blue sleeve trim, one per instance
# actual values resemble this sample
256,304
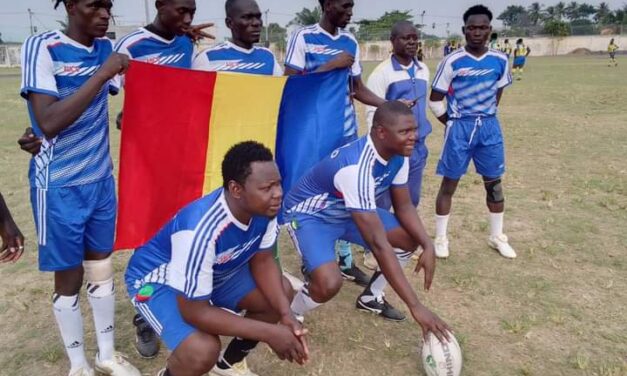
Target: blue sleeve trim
300,69
26,90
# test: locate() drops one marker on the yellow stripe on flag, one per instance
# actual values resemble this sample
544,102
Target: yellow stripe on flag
245,107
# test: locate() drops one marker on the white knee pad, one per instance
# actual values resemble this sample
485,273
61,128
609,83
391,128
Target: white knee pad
99,276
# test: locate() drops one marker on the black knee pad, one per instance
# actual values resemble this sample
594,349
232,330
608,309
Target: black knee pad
494,191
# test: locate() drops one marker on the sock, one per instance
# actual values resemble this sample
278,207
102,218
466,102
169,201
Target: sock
496,224
70,321
378,283
302,302
345,254
101,297
235,352
441,225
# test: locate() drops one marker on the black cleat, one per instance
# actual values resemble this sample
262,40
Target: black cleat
381,307
355,274
146,340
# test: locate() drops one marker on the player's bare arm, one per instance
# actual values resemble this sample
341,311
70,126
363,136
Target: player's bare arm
436,104
216,321
365,95
408,217
54,115
12,238
499,94
373,232
29,142
269,281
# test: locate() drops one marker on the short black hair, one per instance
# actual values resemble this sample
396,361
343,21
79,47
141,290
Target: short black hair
389,111
396,28
58,2
477,10
229,5
494,36
321,4
519,41
237,161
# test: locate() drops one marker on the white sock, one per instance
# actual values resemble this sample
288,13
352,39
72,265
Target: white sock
496,224
302,302
441,225
378,283
102,300
67,311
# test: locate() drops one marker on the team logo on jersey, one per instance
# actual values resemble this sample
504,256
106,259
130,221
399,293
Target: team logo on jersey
62,68
380,179
159,59
235,252
470,72
321,49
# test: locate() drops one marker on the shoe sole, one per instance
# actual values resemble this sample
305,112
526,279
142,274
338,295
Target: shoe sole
347,277
363,308
142,355
496,248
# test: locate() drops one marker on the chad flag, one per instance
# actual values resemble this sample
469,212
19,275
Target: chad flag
178,125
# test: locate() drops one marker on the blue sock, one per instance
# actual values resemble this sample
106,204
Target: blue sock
345,254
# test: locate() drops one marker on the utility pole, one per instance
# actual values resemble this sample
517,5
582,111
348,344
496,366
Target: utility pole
267,27
147,11
422,18
30,18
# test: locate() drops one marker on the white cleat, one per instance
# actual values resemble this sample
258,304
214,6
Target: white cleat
370,261
441,246
118,366
83,371
238,369
500,243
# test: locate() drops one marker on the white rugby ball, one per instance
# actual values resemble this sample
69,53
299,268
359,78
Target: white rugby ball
441,359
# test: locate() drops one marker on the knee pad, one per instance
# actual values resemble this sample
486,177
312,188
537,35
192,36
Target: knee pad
99,276
494,191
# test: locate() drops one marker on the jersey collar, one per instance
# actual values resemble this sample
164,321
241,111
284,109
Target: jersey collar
320,29
376,153
157,37
238,48
229,214
399,67
74,43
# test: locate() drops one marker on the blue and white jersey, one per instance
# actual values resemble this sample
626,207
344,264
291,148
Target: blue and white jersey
201,248
393,81
311,47
351,178
55,65
471,83
228,57
145,46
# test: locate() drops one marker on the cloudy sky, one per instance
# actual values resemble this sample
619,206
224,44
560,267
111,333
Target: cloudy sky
14,17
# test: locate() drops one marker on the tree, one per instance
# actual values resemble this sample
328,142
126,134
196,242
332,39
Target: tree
557,28
514,15
379,29
276,35
586,10
560,10
307,17
534,13
603,14
572,11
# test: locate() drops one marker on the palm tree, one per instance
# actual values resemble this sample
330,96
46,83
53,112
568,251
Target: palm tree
603,13
560,10
549,14
572,11
586,10
535,13
306,17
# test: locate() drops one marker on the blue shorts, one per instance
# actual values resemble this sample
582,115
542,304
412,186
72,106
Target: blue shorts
519,61
417,163
72,220
479,139
161,311
315,239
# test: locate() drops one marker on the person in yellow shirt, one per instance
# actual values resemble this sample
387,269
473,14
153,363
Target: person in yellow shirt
611,49
520,57
506,48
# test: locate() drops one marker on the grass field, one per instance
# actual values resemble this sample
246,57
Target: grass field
559,309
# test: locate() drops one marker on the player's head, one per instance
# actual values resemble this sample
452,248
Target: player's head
506,41
612,41
176,16
337,12
404,38
89,17
519,41
252,178
477,26
394,128
243,17
494,37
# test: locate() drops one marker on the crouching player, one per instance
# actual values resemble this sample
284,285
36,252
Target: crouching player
212,259
336,200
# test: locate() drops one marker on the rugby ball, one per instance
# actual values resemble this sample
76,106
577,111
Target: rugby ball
441,359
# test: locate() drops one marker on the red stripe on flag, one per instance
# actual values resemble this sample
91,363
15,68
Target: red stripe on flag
157,178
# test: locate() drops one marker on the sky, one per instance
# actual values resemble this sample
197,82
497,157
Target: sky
14,16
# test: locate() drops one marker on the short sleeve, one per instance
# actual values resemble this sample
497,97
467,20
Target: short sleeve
402,176
201,62
190,270
357,188
37,69
297,48
356,68
378,84
271,235
443,77
506,77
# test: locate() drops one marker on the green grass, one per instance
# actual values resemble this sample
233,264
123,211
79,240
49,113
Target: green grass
559,309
